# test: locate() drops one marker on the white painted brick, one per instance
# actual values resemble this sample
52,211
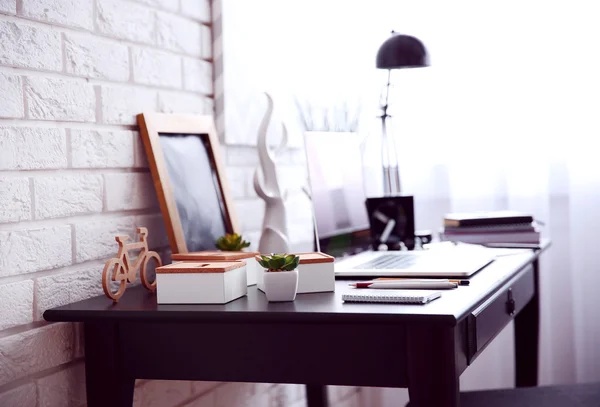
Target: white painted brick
67,195
125,20
197,9
26,251
74,13
28,46
22,396
65,288
16,304
65,388
240,181
157,232
120,105
162,393
156,68
102,149
242,156
30,148
197,75
95,239
180,102
208,400
8,7
96,58
129,191
57,99
141,160
179,34
206,36
15,199
250,214
170,5
32,351
209,106
11,89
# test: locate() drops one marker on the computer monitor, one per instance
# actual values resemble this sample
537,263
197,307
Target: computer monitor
337,190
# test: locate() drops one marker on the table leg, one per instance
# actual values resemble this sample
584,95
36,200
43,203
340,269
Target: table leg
433,375
316,395
527,326
106,381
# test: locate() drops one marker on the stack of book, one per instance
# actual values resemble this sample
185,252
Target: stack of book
490,227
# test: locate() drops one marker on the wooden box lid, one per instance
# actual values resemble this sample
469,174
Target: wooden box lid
213,255
200,267
311,258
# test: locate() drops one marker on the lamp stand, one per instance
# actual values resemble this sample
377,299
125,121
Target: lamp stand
389,158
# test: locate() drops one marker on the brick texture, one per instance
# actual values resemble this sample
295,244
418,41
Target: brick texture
35,350
179,34
96,58
129,191
67,195
171,102
30,148
197,75
64,288
156,68
73,174
74,13
15,199
95,239
24,45
102,149
11,90
58,99
65,388
16,304
121,104
123,19
197,9
8,6
24,251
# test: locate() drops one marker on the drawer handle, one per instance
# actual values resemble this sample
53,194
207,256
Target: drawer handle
510,303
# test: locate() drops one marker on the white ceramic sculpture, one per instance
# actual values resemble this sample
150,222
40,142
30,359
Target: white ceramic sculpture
274,231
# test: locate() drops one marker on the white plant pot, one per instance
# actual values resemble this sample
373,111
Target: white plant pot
281,285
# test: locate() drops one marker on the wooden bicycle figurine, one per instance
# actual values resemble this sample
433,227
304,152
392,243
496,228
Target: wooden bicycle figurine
120,268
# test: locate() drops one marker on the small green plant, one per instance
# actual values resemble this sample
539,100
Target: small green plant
231,243
279,262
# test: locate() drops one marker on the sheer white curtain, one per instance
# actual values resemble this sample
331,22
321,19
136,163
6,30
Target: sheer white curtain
507,116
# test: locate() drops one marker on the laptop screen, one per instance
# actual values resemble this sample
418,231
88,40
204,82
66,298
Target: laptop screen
336,181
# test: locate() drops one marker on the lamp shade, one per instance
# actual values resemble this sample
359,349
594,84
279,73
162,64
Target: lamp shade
402,51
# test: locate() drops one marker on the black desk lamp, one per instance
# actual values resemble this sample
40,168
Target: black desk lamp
397,52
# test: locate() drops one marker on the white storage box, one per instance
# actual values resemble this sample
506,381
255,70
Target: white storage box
252,265
315,273
201,282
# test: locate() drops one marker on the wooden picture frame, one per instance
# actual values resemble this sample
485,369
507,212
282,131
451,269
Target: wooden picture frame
154,126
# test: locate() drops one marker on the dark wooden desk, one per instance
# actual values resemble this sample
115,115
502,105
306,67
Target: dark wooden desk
316,340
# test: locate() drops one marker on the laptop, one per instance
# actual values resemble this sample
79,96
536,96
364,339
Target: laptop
342,225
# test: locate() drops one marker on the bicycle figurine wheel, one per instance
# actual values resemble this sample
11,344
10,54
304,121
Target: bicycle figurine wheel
114,270
151,286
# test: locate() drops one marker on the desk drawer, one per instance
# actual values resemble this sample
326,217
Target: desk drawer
489,318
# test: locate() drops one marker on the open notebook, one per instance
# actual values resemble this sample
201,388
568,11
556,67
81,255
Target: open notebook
391,296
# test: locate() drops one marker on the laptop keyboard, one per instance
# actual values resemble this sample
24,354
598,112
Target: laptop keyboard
389,261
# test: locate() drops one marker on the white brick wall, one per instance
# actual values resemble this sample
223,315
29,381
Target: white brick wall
11,89
73,174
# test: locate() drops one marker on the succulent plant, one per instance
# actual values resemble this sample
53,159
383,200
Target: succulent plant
231,243
279,262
